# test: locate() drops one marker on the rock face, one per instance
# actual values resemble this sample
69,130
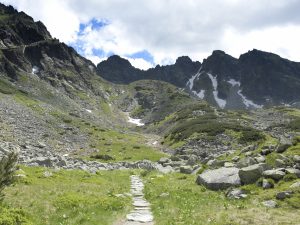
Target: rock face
219,179
251,174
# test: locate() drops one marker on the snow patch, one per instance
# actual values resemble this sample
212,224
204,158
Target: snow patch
247,102
35,70
200,94
190,84
234,82
221,102
137,122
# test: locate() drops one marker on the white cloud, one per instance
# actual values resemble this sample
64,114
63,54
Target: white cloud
168,29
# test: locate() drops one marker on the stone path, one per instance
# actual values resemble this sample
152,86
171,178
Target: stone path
142,211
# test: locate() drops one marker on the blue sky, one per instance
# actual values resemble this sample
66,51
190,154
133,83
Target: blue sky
154,32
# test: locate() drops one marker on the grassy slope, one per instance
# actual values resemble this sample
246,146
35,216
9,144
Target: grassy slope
188,203
70,197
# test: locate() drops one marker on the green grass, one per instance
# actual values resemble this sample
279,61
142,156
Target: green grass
70,197
28,102
6,87
189,203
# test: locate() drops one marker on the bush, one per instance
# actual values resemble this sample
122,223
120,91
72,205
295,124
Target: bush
294,125
251,136
10,216
7,169
103,157
290,177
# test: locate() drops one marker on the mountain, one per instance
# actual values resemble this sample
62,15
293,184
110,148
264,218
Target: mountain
254,80
120,71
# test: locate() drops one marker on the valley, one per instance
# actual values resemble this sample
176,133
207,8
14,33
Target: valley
194,143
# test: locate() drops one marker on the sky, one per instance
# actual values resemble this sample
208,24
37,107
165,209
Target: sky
151,32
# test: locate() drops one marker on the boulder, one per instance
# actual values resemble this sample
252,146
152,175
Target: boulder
283,147
163,160
215,163
251,174
248,161
219,179
275,174
42,161
296,158
186,169
279,163
260,159
293,171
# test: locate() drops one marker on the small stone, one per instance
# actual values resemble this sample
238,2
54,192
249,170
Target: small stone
235,158
266,184
296,158
48,174
163,195
236,193
284,194
270,204
295,185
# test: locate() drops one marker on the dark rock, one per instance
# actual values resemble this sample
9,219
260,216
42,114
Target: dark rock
283,195
251,174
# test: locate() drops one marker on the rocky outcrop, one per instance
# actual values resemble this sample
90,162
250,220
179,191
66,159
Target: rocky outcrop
219,179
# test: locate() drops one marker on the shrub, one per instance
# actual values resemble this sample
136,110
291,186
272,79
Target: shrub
7,169
294,125
10,216
251,136
103,157
290,177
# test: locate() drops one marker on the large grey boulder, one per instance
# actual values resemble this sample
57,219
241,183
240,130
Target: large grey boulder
251,174
219,179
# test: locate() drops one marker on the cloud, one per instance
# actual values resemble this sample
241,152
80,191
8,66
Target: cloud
171,28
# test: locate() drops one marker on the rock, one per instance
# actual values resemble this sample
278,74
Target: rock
265,151
248,154
248,148
236,193
279,163
284,194
248,161
219,179
47,174
251,174
260,159
283,147
229,164
270,204
215,163
266,184
293,171
163,160
275,174
295,185
42,161
186,169
164,195
41,145
192,160
175,158
235,158
165,170
296,158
